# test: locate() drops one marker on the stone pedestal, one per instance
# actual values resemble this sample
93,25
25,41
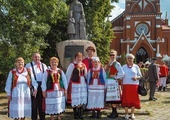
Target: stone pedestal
67,49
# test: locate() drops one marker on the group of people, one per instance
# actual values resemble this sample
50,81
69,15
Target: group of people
86,83
156,75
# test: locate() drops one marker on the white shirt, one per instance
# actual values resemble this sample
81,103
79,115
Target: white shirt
38,72
131,72
21,79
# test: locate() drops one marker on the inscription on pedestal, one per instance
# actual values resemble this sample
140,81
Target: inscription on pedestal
71,50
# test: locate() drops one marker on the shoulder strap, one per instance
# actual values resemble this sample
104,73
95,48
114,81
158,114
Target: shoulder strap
91,72
43,67
33,71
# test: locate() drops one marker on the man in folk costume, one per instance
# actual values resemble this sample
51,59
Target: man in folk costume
77,89
96,88
37,68
88,60
54,87
163,76
115,74
18,90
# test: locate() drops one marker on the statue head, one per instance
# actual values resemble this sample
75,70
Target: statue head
75,1
70,13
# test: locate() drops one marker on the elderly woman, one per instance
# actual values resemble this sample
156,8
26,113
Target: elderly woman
18,91
96,88
54,87
130,97
77,89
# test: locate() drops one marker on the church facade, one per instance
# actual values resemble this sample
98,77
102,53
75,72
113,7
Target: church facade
140,30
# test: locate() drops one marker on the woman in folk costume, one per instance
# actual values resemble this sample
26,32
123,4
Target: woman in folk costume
130,97
54,87
115,74
96,87
18,90
77,89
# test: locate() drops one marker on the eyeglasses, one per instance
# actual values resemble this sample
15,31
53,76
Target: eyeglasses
112,55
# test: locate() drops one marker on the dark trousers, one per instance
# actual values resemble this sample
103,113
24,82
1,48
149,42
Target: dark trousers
37,105
152,89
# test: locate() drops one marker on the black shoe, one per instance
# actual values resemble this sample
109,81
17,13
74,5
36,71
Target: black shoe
75,113
113,114
160,88
93,114
152,99
98,114
80,113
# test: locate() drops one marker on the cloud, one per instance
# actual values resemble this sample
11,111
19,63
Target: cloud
122,1
116,11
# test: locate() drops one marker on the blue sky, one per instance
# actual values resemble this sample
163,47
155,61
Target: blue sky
119,8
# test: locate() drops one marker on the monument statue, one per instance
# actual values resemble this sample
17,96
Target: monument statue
76,31
71,26
76,22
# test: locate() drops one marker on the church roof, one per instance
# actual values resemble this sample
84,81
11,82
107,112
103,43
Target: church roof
118,21
165,27
118,17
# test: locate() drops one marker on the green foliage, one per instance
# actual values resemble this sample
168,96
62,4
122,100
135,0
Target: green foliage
27,26
98,27
55,35
144,71
24,26
114,0
123,58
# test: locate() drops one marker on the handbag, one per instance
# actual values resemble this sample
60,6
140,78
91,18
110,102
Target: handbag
141,88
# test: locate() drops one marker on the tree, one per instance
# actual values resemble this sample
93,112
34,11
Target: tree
57,33
98,27
24,25
37,25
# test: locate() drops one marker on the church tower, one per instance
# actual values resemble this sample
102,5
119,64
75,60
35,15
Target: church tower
140,30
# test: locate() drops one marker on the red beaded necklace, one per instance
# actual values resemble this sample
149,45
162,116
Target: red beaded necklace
19,71
130,66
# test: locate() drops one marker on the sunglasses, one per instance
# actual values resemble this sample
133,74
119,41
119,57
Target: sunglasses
112,55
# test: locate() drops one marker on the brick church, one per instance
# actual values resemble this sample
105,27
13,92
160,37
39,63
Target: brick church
140,30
